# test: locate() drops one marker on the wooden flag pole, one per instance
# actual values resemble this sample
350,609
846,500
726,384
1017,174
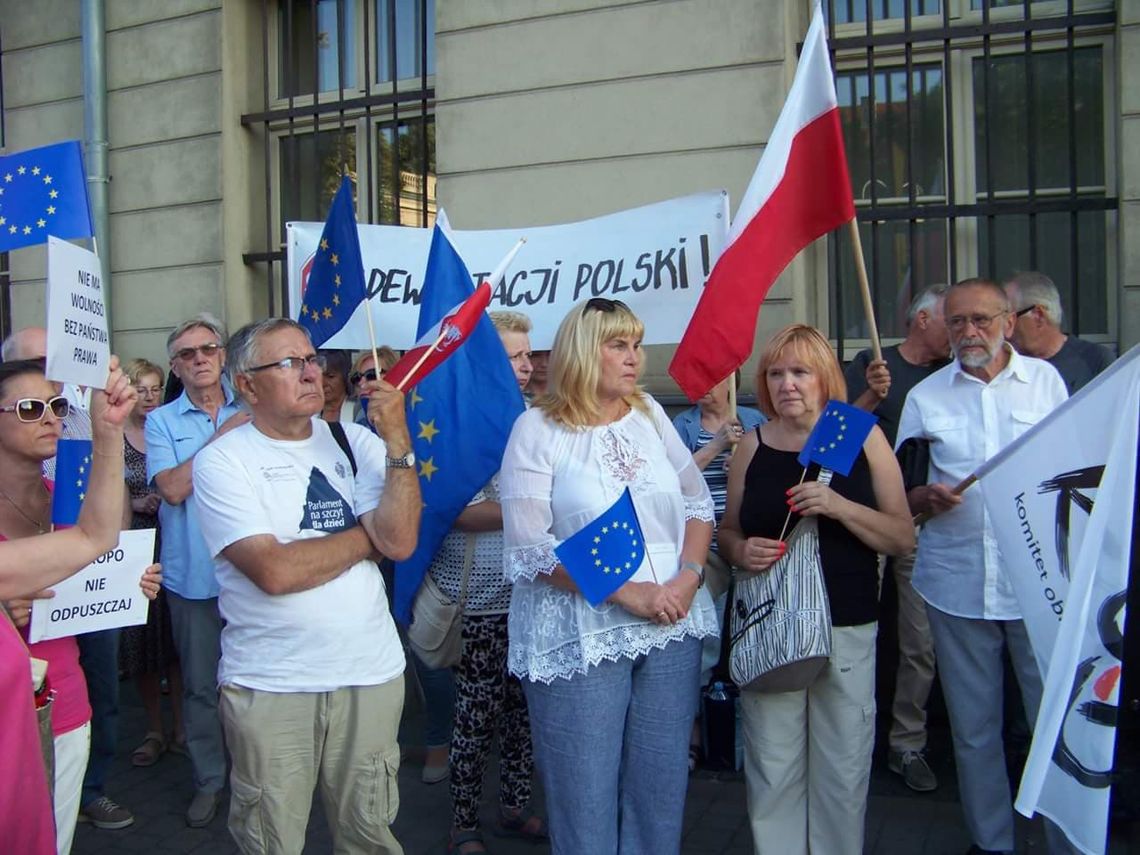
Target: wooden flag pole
372,335
732,396
864,286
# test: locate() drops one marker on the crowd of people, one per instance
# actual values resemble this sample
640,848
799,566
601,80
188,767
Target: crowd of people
283,485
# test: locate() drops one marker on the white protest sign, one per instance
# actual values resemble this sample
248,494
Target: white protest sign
103,595
655,259
78,347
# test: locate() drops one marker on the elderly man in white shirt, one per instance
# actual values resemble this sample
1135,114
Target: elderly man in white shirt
979,403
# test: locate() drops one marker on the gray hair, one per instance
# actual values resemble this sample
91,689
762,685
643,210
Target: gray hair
243,351
204,320
1036,289
926,300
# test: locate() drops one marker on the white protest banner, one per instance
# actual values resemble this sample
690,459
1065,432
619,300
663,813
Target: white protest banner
1061,500
78,347
103,595
654,258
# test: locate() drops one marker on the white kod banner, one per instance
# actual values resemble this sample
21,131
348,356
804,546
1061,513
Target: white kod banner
655,259
1061,501
103,595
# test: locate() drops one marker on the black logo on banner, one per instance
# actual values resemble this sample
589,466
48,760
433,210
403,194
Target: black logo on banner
1068,486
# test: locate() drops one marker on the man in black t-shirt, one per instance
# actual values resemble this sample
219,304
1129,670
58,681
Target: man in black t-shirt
880,387
1037,305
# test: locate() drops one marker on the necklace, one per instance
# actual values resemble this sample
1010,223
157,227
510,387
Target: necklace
39,525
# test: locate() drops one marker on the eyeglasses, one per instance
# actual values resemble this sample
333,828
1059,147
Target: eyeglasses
1024,311
980,322
188,353
149,391
603,304
292,363
32,410
370,375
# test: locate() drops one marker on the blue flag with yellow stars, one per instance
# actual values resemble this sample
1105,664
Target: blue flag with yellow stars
460,416
838,437
43,191
72,469
336,281
604,555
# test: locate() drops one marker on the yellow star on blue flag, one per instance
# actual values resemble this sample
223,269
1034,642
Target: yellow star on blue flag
336,281
72,469
838,437
604,554
43,191
465,409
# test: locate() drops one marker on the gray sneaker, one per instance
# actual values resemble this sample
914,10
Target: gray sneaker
202,809
104,813
916,772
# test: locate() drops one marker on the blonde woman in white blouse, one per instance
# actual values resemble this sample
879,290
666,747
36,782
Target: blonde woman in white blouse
612,690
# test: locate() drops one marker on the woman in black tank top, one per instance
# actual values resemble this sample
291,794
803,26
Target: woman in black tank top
808,753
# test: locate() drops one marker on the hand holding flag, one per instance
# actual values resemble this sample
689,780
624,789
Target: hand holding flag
605,554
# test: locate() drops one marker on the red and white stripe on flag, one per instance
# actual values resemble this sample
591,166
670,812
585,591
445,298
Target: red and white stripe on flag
800,191
442,339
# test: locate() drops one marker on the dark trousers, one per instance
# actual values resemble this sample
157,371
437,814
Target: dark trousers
99,659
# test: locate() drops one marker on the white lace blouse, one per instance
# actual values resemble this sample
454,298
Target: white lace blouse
555,480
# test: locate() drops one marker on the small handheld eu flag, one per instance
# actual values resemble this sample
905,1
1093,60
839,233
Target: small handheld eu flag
604,555
838,437
72,469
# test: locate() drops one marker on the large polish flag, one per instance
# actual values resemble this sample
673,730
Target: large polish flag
800,191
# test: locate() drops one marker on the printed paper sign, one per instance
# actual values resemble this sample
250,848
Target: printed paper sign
103,595
78,347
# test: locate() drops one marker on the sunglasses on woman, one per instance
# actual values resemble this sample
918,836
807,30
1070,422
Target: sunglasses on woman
32,409
603,304
370,375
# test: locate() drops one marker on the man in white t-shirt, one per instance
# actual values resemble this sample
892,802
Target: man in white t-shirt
311,674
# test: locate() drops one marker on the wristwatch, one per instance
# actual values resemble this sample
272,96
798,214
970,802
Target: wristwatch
405,462
696,568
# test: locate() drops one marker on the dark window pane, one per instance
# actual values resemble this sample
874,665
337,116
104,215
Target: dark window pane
899,275
406,173
1085,300
889,131
976,5
1006,120
399,49
855,11
309,48
311,166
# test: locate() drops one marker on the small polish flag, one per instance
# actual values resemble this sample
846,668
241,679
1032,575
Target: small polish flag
799,192
439,342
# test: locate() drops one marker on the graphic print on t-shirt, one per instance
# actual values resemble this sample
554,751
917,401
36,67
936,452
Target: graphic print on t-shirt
325,509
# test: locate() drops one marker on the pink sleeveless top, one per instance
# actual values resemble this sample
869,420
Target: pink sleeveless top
27,823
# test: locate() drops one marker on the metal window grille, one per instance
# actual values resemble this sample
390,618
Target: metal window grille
347,85
1029,188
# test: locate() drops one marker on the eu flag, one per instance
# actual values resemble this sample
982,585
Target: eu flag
336,281
72,469
460,416
838,437
43,191
604,555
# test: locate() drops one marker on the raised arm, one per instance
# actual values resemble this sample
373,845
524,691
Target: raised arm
394,525
30,564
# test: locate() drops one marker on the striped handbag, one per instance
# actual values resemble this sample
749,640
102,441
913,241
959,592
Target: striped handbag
780,619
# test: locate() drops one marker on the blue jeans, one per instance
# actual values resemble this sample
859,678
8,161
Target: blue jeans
439,701
612,749
197,628
99,659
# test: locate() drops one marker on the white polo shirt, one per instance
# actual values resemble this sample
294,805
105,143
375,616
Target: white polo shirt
966,420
